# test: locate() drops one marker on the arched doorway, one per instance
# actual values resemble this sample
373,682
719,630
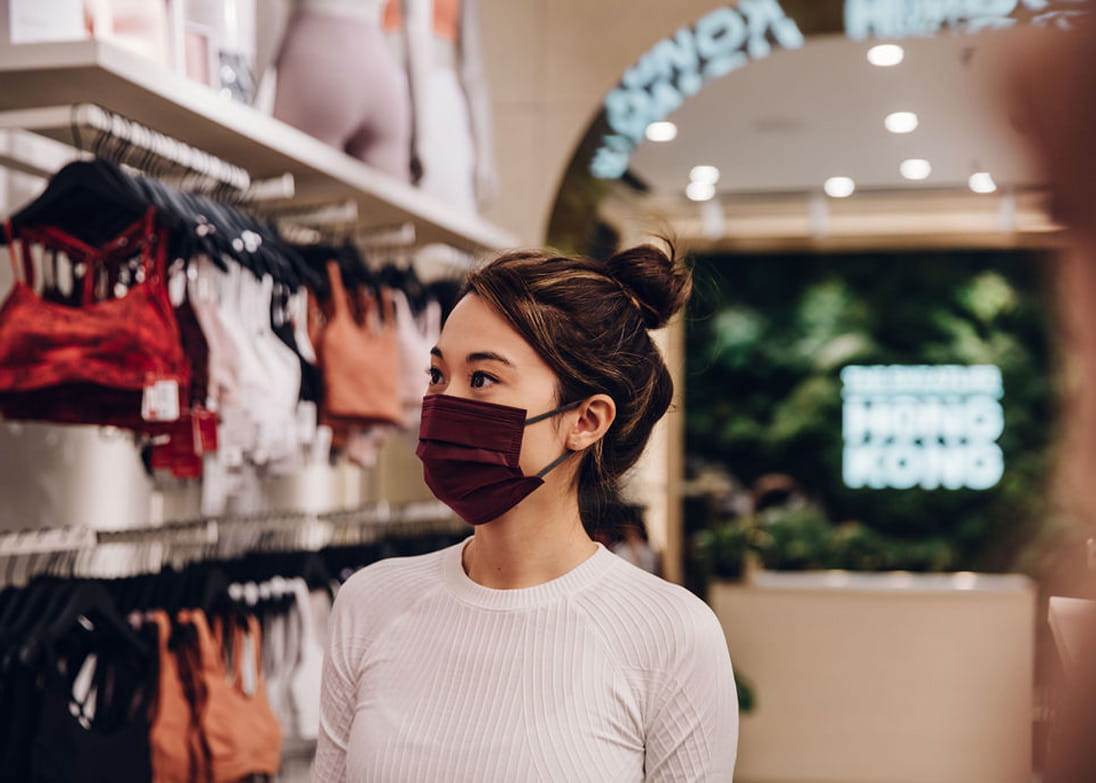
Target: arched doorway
772,77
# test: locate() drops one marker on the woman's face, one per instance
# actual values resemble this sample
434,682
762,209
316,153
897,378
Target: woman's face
479,356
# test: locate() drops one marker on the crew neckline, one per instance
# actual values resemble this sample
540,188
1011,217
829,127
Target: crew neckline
465,589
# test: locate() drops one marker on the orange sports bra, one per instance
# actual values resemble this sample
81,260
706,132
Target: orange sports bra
446,18
175,734
243,735
361,361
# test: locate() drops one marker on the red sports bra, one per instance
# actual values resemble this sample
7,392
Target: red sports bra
91,364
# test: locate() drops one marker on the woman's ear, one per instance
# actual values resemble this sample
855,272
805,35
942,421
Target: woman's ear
595,416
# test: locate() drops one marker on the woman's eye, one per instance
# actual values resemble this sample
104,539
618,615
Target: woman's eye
481,379
435,376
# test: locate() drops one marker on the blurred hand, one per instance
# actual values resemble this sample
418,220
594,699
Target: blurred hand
1052,101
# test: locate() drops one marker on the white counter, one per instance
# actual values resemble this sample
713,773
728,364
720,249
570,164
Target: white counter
883,678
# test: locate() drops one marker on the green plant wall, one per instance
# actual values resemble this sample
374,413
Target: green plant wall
768,335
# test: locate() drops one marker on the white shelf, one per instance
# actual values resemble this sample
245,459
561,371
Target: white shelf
52,74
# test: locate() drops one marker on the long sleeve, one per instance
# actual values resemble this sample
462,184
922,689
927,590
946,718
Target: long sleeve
606,674
692,734
338,696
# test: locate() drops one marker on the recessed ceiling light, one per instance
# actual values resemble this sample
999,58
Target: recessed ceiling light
700,191
886,55
709,174
839,187
901,122
982,182
661,131
915,168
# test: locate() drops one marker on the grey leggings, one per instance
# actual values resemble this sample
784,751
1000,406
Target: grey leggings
337,81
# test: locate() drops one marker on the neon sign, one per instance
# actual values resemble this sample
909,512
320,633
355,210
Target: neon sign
927,426
729,37
677,67
913,18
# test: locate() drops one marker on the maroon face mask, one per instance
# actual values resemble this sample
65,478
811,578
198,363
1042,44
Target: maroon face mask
469,452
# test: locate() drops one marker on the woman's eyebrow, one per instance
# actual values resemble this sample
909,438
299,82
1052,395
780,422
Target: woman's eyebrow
477,356
490,356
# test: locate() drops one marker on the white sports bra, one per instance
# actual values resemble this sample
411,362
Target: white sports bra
371,11
416,336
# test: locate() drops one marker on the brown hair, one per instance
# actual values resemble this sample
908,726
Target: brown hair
588,320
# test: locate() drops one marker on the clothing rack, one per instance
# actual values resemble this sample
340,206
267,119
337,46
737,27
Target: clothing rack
132,551
91,128
313,225
103,133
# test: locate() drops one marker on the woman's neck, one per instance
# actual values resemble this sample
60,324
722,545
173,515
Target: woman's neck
533,543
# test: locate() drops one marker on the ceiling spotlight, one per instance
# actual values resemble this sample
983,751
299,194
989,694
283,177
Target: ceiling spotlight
709,174
661,131
839,187
886,55
915,168
901,122
982,182
700,191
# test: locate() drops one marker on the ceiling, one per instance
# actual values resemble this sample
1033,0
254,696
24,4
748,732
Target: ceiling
787,123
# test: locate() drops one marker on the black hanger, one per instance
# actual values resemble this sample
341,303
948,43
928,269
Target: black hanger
315,573
43,598
91,200
89,604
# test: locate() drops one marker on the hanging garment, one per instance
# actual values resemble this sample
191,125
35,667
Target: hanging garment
111,361
19,712
304,684
195,434
196,348
243,734
277,436
416,335
96,685
243,422
360,360
178,753
286,313
278,660
224,372
289,320
93,724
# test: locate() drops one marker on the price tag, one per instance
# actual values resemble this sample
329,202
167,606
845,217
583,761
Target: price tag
235,435
306,421
161,401
176,287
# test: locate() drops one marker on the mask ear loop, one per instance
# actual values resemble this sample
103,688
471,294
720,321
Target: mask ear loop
556,463
553,412
566,454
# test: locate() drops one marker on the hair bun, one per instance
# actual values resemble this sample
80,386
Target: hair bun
659,283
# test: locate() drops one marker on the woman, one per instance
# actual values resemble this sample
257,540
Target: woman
529,652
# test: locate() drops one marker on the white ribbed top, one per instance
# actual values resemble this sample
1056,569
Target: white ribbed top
605,674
